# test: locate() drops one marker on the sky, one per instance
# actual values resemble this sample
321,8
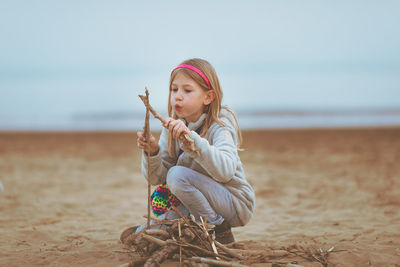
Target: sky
65,58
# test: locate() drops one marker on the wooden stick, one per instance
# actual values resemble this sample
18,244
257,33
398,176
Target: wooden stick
228,251
200,249
204,227
159,232
180,247
188,236
267,253
188,223
146,133
132,237
154,240
186,140
147,104
216,262
159,256
146,121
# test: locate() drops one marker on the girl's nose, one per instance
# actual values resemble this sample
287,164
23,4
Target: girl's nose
178,96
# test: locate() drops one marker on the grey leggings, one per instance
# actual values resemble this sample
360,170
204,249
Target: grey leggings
200,195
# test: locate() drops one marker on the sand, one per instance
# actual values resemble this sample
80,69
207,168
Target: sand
68,196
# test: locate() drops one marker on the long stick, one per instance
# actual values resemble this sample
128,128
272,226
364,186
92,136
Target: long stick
203,224
216,262
146,133
154,240
186,140
198,248
228,251
180,247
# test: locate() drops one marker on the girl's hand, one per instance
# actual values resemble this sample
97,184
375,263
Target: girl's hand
142,144
176,127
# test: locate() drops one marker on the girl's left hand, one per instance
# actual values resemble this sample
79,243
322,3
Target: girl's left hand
176,127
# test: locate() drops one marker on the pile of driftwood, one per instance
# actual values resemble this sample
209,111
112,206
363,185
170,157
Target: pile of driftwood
188,242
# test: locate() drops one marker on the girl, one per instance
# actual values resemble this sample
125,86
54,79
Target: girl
210,183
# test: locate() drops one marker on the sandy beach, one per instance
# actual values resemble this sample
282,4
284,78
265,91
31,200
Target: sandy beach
68,196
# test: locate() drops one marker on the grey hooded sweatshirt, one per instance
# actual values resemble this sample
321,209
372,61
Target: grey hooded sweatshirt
218,159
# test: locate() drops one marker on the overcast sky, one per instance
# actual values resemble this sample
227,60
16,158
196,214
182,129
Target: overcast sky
68,57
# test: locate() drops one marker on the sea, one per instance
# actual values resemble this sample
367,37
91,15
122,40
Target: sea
261,119
59,100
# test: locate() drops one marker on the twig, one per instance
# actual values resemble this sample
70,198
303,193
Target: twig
186,140
147,104
228,251
159,232
154,240
146,133
188,223
132,237
180,247
253,253
160,255
202,250
216,262
320,255
203,226
119,251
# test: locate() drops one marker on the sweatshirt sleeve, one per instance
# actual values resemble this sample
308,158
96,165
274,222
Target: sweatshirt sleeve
160,163
220,158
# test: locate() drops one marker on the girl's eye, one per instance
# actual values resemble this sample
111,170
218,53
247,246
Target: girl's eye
187,91
174,90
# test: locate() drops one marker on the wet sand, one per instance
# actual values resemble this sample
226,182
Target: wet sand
68,196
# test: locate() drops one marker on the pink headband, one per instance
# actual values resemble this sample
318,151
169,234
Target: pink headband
185,66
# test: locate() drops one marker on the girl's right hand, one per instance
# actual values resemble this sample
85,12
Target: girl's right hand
142,144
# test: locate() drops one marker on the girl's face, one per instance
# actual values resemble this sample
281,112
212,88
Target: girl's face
188,98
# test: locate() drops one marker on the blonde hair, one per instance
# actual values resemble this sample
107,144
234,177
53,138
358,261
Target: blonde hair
213,109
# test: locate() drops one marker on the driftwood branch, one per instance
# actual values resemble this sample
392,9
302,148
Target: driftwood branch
151,109
204,227
198,248
216,262
154,240
186,140
320,255
187,222
160,255
159,232
146,133
146,126
228,251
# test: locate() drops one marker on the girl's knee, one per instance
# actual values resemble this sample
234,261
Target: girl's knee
175,178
